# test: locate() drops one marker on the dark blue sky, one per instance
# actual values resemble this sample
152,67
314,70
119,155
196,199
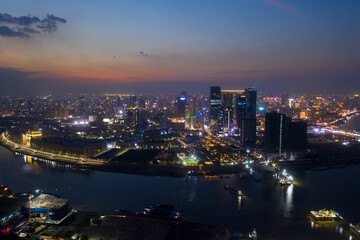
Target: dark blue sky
275,45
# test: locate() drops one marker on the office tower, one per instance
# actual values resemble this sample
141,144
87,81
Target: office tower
141,103
276,128
239,107
215,109
132,118
180,104
248,126
297,137
194,115
234,107
132,101
284,135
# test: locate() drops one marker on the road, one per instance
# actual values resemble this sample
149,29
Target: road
46,155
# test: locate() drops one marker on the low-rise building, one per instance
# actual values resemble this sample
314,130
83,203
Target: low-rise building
69,146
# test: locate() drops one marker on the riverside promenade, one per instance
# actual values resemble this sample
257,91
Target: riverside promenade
24,149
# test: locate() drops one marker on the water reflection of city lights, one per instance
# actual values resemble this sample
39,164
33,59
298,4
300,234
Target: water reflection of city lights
288,199
239,202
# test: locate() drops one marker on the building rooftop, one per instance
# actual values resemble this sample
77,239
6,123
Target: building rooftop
75,142
47,201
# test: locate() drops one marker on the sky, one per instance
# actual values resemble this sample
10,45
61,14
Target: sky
166,46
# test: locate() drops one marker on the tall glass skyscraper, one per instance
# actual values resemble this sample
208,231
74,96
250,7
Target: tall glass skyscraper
215,109
234,111
248,125
181,103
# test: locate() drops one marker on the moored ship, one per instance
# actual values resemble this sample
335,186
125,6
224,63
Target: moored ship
233,190
323,215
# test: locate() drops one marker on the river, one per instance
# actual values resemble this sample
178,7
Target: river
276,212
352,124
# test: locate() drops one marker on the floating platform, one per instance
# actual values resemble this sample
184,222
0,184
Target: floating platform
324,216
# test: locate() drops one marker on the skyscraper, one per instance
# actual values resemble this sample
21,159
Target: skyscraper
194,114
215,108
181,103
132,101
248,126
297,137
234,107
283,135
276,128
239,107
132,118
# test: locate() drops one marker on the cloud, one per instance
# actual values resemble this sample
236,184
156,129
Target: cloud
8,32
25,26
142,53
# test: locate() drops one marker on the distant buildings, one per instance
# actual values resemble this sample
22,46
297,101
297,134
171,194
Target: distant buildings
194,115
234,111
133,101
59,111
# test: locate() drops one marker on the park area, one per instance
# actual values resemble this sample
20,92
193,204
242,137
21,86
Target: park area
188,160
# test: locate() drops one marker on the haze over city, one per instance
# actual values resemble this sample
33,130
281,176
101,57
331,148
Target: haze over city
110,46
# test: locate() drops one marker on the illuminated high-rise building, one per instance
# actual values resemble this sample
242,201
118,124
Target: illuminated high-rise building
248,125
194,117
215,109
132,101
180,104
239,114
132,118
234,108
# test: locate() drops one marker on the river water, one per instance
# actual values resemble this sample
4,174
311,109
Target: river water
276,212
352,124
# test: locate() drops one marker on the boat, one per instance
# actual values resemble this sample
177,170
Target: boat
285,181
323,215
162,211
5,190
233,190
283,178
253,234
124,212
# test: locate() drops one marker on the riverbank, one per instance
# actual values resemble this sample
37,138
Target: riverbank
329,155
14,147
93,225
141,168
132,227
168,170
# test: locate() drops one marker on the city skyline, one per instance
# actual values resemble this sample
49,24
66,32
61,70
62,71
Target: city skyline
182,119
160,47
